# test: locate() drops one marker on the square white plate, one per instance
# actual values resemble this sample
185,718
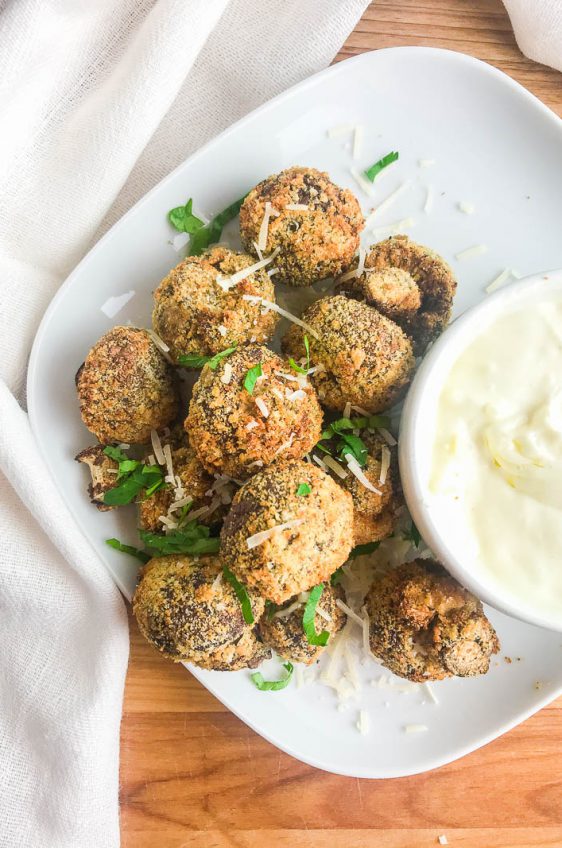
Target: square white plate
495,146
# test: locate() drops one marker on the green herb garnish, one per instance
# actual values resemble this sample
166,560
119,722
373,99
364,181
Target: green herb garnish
192,539
183,219
272,685
270,609
353,446
303,489
298,368
375,169
211,232
241,594
193,361
128,549
133,477
251,377
413,535
337,575
348,443
361,550
312,636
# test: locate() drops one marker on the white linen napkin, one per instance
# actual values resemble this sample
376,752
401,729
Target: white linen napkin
537,25
98,102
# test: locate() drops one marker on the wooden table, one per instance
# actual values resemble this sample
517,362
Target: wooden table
193,776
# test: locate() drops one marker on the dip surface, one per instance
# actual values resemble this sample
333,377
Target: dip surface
496,468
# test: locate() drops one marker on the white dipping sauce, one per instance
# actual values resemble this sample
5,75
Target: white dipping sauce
496,471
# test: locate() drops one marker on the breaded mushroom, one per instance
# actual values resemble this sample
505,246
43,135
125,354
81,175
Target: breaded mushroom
103,471
375,514
425,626
185,608
282,630
313,223
409,283
126,388
206,492
279,542
197,311
236,432
365,359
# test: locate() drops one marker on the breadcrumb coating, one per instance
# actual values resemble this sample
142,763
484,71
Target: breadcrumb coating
314,243
190,614
194,315
394,296
285,635
365,358
103,471
126,388
230,432
425,626
291,560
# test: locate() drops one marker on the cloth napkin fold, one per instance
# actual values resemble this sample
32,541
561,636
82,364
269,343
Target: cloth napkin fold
537,25
98,102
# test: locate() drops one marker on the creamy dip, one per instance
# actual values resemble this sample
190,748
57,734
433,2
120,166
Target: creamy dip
496,470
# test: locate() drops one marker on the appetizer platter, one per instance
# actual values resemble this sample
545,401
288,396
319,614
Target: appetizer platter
228,366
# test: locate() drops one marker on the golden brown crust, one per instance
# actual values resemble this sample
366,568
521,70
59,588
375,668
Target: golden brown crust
286,635
313,244
432,276
425,626
294,559
219,415
189,614
392,291
126,388
103,472
193,314
366,359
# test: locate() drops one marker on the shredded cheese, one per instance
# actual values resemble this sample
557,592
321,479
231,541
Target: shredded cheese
151,460
363,722
467,208
251,424
262,406
157,447
358,135
264,535
362,182
469,252
387,436
349,612
236,278
432,696
339,130
498,281
179,504
385,464
285,446
298,394
426,163
428,200
396,227
320,462
222,330
285,613
323,614
226,375
296,207
264,228
216,582
347,410
272,271
158,341
334,466
391,198
355,469
169,463
268,304
415,728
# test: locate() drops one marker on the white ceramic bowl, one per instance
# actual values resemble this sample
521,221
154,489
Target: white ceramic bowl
416,441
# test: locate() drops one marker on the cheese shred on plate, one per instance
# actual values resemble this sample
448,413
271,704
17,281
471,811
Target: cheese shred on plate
228,282
355,469
262,406
498,281
469,252
264,228
385,464
415,728
363,725
268,304
334,465
157,447
264,535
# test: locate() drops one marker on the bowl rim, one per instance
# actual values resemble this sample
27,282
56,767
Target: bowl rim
453,340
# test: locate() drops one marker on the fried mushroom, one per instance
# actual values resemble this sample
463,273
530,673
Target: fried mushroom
312,223
425,626
103,471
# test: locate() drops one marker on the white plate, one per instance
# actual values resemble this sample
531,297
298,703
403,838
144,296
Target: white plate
494,145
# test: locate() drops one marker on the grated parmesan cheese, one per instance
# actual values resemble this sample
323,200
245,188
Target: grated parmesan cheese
432,696
363,724
355,469
358,135
469,252
390,199
426,163
415,728
251,424
467,208
298,394
323,614
387,436
349,612
498,281
285,446
296,207
385,464
428,205
320,462
272,271
334,466
222,330
396,227
263,535
347,410
268,304
226,375
217,582
228,282
168,522
362,182
285,613
261,405
157,447
160,344
151,460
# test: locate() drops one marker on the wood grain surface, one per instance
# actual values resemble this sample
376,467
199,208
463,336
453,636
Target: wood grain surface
194,776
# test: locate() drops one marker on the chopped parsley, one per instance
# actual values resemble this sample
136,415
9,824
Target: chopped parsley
128,549
251,377
303,489
211,232
298,368
361,550
193,361
192,539
241,594
413,535
354,446
348,443
183,219
273,685
312,636
133,477
380,165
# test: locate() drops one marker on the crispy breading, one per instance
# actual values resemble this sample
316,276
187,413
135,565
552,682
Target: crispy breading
103,472
194,315
314,243
425,626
